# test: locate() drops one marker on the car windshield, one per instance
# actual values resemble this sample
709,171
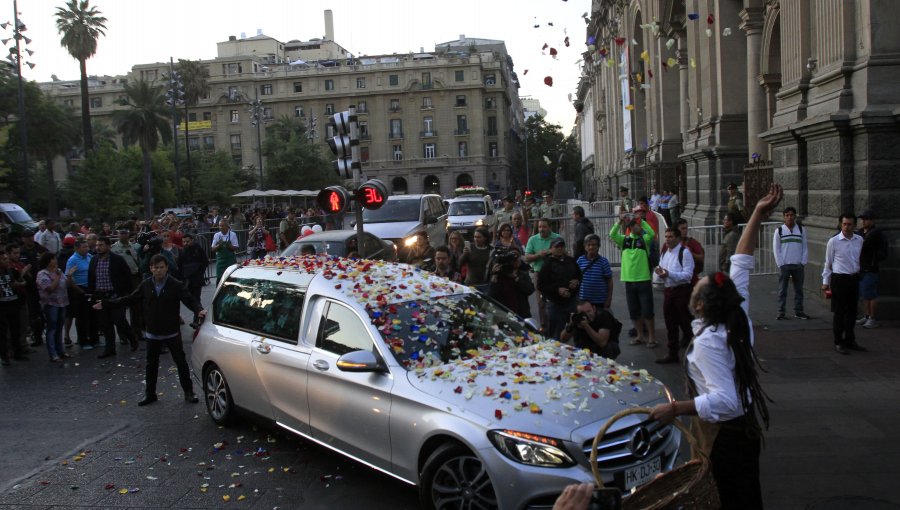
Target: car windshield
468,208
335,248
393,211
18,216
422,334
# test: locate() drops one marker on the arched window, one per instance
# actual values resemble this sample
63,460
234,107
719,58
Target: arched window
464,180
398,186
432,184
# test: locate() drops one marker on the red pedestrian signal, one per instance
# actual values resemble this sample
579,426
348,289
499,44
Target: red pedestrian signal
372,194
333,199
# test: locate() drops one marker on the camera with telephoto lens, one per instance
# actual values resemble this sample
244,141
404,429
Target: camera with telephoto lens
149,238
505,256
574,320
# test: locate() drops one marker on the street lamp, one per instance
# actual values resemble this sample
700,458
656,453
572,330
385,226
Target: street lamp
15,59
175,98
527,173
257,118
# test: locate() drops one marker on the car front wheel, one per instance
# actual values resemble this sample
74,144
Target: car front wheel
455,478
219,403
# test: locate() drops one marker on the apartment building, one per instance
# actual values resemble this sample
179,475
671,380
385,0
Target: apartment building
428,121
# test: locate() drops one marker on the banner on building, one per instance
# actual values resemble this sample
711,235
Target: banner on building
627,101
196,125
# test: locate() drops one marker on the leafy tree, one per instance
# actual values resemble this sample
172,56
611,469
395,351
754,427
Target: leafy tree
102,188
195,77
144,124
52,131
548,151
292,160
218,178
81,25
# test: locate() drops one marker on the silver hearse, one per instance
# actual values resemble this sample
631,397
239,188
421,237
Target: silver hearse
423,379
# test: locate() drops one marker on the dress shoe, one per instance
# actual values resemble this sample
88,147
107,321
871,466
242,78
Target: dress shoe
107,355
802,316
780,316
668,359
853,346
190,398
841,350
147,401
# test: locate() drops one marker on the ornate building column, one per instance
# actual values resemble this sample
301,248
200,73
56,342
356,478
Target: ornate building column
757,120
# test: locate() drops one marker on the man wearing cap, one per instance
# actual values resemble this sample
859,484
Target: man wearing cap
791,255
559,281
625,202
735,201
731,234
505,214
840,275
874,250
536,251
634,237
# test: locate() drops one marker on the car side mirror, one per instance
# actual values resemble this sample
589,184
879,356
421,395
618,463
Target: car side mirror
430,220
359,361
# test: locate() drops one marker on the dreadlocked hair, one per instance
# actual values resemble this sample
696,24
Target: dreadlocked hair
722,305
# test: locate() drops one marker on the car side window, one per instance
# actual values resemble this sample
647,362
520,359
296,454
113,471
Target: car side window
267,308
341,331
488,207
373,247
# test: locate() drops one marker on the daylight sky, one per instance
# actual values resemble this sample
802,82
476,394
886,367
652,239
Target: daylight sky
142,31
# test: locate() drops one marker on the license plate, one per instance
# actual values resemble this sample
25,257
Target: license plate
642,473
463,231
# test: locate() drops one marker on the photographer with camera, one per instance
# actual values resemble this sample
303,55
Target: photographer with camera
559,282
152,244
510,281
593,328
634,237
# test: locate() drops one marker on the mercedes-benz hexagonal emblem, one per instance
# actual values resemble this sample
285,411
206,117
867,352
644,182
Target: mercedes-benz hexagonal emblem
640,442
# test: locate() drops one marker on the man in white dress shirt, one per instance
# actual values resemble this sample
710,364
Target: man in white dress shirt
676,269
841,276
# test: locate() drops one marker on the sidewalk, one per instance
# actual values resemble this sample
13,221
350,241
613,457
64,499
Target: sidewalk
833,441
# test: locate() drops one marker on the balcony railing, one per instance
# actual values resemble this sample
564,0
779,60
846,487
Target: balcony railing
426,86
395,134
365,136
491,132
460,132
394,108
427,134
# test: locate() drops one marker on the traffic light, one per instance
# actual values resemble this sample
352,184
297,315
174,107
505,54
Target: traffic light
342,144
333,199
372,194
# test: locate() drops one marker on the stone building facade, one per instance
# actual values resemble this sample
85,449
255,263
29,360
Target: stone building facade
429,121
694,94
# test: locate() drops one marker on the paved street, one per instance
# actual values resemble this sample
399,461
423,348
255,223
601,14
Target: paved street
73,436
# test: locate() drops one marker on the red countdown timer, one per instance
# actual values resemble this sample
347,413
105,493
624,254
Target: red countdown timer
333,199
372,194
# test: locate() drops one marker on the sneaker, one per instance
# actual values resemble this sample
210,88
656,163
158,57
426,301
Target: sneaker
652,344
870,323
840,349
801,315
862,320
635,341
780,317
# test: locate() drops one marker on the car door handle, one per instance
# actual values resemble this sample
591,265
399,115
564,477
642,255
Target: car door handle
263,348
320,364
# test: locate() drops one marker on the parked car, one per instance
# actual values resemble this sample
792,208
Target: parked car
341,242
468,212
425,380
16,219
403,217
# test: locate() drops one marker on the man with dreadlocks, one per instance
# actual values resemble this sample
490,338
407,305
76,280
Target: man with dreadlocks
721,369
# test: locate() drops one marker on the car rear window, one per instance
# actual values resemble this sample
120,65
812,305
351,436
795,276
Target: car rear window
270,309
469,208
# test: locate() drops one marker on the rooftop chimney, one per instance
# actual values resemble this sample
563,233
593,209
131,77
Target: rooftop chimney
232,38
329,25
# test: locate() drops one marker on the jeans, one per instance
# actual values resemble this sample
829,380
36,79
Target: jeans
56,318
790,272
677,315
558,317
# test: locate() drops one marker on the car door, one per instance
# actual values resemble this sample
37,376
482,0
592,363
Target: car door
437,231
374,248
348,411
280,359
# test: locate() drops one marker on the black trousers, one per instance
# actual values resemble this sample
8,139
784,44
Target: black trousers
154,348
844,295
735,466
10,330
677,315
85,323
111,319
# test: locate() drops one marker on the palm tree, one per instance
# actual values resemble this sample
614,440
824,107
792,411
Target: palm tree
144,123
81,25
195,78
53,130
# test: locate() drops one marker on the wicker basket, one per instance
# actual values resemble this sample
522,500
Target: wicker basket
689,486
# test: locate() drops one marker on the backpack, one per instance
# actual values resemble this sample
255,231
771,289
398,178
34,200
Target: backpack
653,254
781,231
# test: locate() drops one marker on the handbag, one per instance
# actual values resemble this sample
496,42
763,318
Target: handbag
270,243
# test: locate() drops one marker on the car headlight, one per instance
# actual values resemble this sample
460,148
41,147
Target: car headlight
479,223
410,241
531,449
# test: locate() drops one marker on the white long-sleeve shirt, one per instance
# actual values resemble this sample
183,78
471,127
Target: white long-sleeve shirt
679,274
789,245
841,256
710,362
